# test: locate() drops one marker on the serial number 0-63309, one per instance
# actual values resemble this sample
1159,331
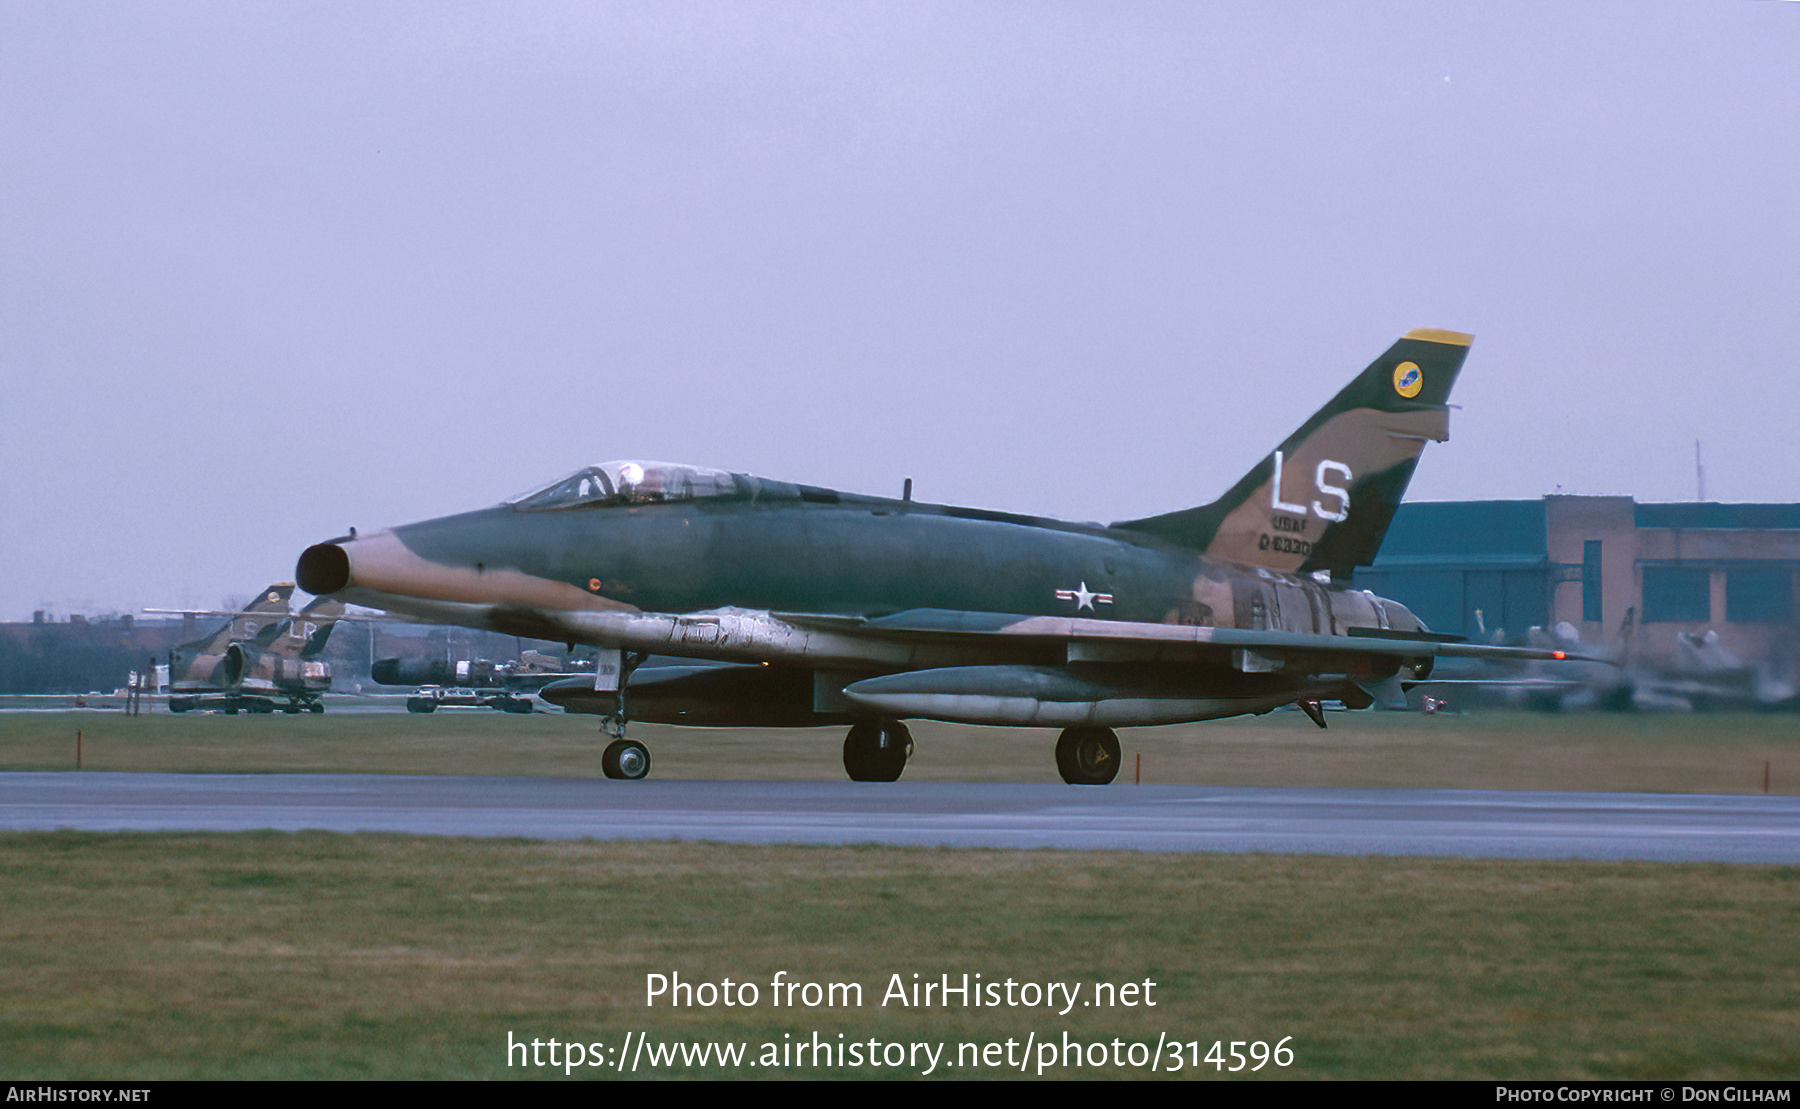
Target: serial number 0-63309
1235,1055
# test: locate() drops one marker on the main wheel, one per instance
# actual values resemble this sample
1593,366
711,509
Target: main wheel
625,758
1088,756
877,750
315,707
420,704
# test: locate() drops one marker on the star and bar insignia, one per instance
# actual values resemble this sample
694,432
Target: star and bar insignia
1084,597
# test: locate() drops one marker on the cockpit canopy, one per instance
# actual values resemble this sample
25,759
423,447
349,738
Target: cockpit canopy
629,482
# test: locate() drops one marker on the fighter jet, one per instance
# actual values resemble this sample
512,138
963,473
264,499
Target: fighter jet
832,607
261,660
1611,678
476,683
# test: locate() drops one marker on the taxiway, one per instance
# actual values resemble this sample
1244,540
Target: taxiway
1467,823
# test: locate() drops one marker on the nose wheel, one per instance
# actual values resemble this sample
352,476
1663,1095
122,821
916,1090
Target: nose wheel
1088,756
877,750
626,759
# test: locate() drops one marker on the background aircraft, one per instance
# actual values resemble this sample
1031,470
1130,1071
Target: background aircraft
838,607
263,659
478,683
1609,677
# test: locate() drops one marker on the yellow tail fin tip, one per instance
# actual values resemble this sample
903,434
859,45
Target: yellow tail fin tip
1438,335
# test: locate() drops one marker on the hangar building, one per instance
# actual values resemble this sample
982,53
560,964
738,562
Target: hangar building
1476,567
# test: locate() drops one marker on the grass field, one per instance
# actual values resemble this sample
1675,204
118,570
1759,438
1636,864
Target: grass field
320,955
1717,753
317,955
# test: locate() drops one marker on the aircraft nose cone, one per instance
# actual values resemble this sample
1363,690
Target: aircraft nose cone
323,568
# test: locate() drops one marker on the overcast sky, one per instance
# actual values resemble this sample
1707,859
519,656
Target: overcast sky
271,270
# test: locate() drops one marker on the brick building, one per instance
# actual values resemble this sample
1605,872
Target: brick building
1693,567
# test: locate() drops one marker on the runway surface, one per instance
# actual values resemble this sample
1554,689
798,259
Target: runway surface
1471,823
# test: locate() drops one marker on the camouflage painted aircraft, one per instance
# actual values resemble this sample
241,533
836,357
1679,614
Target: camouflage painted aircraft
476,683
1611,678
828,607
262,660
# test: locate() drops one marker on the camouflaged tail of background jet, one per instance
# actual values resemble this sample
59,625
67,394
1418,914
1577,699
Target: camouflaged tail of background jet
217,661
311,629
1323,500
261,660
289,668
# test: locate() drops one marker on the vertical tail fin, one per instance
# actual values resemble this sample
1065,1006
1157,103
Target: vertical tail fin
305,635
1323,499
257,624
316,621
261,620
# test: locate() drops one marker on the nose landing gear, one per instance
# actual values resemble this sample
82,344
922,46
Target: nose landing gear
624,759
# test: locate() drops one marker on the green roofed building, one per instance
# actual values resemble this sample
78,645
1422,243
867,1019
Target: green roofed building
1480,567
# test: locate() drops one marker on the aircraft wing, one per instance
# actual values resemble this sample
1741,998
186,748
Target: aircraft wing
925,637
1125,641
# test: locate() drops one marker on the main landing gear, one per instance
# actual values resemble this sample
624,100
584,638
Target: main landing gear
877,750
1088,756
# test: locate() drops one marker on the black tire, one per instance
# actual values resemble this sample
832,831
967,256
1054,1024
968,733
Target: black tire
315,707
1088,756
877,750
420,704
626,759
